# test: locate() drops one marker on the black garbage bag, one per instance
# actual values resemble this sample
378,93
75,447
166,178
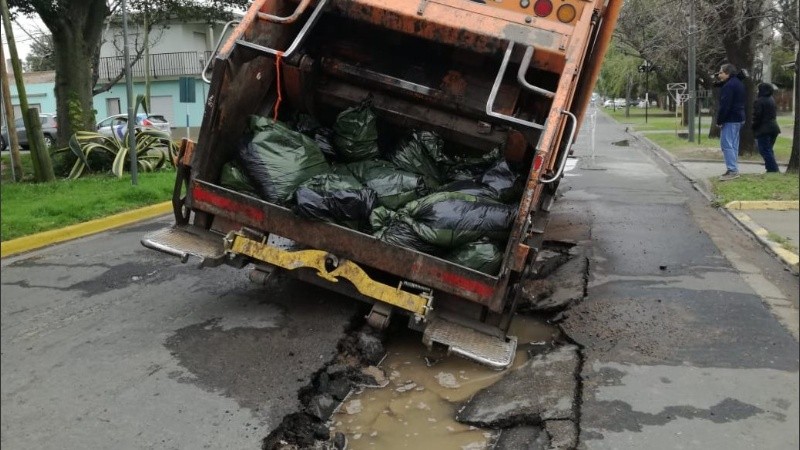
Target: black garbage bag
505,181
234,179
277,160
335,198
418,153
471,187
467,168
394,187
451,219
355,133
323,136
483,255
388,228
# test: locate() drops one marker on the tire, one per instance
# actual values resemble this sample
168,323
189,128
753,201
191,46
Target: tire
48,141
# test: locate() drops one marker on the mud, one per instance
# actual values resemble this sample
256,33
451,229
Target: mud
406,396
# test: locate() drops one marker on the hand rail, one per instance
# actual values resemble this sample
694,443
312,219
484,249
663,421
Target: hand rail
493,94
216,49
297,40
301,8
523,69
565,153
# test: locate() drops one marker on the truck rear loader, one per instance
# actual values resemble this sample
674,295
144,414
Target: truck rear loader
516,75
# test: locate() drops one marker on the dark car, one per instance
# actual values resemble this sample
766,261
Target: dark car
49,129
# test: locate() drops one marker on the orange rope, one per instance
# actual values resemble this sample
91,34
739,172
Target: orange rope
278,57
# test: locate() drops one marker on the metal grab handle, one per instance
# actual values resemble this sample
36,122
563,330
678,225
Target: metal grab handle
493,94
523,69
297,40
216,49
566,149
301,8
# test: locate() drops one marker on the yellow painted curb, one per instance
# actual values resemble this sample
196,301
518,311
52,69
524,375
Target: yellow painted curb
774,205
45,238
791,258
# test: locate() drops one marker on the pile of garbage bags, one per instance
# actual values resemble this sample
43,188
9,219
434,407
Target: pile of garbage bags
411,194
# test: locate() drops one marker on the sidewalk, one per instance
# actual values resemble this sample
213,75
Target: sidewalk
767,221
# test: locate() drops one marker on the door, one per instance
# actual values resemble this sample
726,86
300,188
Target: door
112,106
163,106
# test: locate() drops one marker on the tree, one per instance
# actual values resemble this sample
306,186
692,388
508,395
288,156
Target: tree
76,27
40,57
787,18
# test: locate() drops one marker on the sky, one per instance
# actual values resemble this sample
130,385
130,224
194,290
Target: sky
22,28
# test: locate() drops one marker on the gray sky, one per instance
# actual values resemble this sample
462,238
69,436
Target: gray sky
22,28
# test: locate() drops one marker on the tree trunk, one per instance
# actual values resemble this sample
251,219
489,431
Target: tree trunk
794,159
76,38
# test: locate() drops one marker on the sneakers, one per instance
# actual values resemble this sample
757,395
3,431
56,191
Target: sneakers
729,175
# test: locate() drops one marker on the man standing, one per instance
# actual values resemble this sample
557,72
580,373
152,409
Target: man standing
730,117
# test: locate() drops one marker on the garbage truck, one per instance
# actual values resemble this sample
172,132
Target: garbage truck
513,77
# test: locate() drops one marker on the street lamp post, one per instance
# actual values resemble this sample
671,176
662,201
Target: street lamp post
129,89
646,68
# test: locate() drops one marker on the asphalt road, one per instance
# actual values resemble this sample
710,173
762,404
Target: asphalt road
106,344
687,335
688,331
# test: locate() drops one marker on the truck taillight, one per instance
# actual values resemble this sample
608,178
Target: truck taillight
566,13
543,8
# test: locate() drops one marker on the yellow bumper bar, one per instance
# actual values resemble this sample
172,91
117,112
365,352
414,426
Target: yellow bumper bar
316,259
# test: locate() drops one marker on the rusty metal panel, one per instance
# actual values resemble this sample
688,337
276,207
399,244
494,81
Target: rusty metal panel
358,247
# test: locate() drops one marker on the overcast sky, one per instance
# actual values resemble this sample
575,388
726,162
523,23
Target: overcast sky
25,29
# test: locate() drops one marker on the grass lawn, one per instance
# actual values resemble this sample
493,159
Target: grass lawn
660,128
768,186
28,208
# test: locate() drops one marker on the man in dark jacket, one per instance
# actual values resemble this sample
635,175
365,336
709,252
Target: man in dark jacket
765,125
730,117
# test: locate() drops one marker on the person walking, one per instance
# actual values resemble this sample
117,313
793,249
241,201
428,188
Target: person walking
730,117
765,125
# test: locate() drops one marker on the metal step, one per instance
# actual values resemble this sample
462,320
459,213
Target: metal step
492,348
187,241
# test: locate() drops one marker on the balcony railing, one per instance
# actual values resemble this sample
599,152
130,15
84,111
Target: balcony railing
161,65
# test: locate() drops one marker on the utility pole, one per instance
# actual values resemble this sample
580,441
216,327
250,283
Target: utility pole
691,100
13,142
129,87
146,60
42,167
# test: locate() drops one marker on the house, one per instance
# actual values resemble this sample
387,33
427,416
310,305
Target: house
177,49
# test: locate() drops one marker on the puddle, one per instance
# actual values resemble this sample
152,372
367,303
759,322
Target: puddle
417,408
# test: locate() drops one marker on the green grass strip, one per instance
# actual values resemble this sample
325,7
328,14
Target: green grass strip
768,186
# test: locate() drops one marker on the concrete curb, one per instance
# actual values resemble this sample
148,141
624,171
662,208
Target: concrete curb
46,238
761,235
773,205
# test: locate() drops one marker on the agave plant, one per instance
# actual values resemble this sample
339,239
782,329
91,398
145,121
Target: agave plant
154,148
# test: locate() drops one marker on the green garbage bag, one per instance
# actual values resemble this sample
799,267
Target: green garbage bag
467,168
335,198
418,153
277,160
388,228
234,179
394,187
355,133
484,256
451,219
471,187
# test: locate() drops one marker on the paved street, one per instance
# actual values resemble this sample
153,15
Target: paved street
687,327
687,335
108,345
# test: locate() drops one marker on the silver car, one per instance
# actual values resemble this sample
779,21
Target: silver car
117,125
49,129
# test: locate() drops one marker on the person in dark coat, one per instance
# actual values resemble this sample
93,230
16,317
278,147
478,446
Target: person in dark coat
730,118
765,125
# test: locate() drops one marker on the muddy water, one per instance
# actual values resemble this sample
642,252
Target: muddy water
416,409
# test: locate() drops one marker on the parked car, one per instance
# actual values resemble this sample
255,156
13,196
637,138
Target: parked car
49,129
117,125
620,102
608,103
